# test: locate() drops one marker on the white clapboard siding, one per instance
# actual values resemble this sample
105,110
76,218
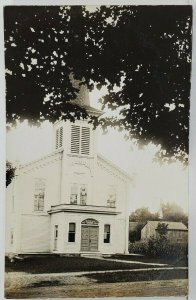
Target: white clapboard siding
35,233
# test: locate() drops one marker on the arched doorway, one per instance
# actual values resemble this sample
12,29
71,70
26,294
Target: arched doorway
89,235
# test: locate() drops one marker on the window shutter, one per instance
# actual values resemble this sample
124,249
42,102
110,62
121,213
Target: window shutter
85,141
75,139
61,137
57,138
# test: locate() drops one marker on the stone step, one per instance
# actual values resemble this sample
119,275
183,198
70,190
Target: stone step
91,254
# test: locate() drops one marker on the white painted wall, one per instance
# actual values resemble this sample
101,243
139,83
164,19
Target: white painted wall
117,243
33,231
35,234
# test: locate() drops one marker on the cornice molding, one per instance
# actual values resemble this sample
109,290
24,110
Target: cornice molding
112,168
42,162
89,209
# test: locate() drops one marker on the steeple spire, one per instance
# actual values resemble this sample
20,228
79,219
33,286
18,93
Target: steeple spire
82,98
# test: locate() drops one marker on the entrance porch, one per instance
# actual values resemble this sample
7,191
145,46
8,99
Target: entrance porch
85,233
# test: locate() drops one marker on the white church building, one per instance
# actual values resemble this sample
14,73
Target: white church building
72,201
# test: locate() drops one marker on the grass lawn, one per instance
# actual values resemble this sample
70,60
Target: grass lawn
127,276
57,264
176,262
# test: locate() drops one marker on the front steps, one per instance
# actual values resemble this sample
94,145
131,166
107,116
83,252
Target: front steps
91,254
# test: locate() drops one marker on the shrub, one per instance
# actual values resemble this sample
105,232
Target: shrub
139,247
159,247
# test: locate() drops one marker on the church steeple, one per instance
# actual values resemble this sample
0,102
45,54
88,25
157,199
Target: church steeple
83,99
77,138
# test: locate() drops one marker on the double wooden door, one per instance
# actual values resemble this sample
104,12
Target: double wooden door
89,238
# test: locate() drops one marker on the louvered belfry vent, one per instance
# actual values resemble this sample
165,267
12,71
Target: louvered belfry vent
80,140
59,137
85,141
75,139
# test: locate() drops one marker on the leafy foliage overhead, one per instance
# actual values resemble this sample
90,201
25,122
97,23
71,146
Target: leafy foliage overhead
144,50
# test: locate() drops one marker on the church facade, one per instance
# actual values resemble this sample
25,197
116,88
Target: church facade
73,201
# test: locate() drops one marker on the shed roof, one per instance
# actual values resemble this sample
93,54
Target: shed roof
171,225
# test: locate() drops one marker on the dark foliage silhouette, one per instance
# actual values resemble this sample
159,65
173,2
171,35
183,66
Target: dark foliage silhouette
144,50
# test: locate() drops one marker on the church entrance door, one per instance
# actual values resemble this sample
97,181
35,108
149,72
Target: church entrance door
89,235
89,238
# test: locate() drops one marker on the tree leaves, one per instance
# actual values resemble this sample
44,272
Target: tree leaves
10,172
144,50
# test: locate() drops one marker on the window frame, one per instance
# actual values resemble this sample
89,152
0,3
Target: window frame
72,233
111,203
56,235
107,234
79,199
39,195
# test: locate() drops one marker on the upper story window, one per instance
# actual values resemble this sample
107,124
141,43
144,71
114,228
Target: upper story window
111,197
59,137
39,194
74,194
78,194
80,140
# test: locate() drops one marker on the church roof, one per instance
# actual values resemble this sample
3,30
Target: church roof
90,110
42,160
112,165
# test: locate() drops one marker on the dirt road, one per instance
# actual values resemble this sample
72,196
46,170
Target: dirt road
73,286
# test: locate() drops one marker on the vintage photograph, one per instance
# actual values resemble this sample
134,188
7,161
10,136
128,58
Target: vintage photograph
97,150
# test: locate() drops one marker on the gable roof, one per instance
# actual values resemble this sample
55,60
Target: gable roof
114,167
171,225
90,109
42,161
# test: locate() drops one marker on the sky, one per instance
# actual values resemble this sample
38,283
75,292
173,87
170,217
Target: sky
153,183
